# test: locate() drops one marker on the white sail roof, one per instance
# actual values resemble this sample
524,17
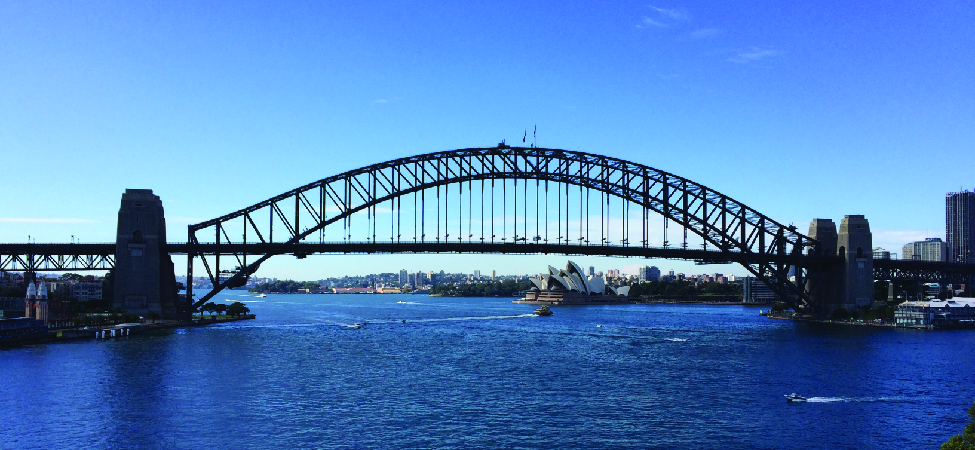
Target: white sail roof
597,285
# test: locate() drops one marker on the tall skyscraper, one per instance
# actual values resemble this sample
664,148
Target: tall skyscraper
403,277
960,226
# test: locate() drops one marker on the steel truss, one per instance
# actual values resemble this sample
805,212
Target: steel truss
56,257
924,271
303,213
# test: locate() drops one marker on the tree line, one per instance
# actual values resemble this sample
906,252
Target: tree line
506,288
284,286
683,288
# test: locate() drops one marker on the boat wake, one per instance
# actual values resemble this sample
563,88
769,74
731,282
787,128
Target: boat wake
457,319
858,400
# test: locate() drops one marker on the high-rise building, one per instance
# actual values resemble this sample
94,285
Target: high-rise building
651,273
930,249
960,226
403,277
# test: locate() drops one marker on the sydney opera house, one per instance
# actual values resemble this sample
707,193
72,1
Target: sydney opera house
571,287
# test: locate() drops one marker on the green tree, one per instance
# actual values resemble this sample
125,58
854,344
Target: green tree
237,309
152,316
208,307
966,440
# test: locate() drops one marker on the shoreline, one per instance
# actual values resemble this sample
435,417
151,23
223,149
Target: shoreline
72,334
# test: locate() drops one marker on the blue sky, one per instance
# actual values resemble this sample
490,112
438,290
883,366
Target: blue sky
799,111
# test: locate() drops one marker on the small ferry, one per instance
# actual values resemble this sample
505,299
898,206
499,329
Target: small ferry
794,397
543,311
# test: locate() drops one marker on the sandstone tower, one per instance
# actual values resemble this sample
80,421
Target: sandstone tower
145,278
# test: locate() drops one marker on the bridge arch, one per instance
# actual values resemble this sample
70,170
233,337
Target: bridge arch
735,231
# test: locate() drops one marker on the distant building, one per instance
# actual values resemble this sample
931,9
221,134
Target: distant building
879,253
960,226
85,291
403,277
756,291
649,273
930,249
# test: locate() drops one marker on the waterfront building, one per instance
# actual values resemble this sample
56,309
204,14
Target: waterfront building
960,226
20,329
571,286
11,307
756,291
930,249
880,253
403,277
953,313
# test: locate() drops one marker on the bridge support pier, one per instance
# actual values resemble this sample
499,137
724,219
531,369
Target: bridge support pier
856,247
848,285
145,278
822,281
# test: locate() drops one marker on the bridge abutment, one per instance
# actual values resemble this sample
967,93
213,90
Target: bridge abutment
145,279
855,243
821,281
848,285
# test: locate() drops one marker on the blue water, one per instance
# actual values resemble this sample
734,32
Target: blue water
485,373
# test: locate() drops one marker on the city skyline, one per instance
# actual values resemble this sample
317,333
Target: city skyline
805,113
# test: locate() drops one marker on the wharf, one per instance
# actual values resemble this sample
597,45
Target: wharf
105,332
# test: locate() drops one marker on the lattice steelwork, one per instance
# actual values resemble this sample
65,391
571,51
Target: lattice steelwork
505,200
56,257
924,271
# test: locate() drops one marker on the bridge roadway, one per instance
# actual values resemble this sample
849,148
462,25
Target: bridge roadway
65,257
61,257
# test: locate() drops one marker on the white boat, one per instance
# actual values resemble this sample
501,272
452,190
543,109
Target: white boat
262,295
794,397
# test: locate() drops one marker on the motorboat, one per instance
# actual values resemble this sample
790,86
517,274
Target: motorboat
794,397
262,296
543,311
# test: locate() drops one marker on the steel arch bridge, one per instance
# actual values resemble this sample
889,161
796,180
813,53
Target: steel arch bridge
564,198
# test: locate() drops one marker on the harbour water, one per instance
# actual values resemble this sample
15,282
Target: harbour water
428,372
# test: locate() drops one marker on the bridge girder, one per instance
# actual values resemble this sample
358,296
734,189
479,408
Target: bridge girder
924,271
56,257
719,220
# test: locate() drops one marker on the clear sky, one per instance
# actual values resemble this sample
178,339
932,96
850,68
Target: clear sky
798,110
